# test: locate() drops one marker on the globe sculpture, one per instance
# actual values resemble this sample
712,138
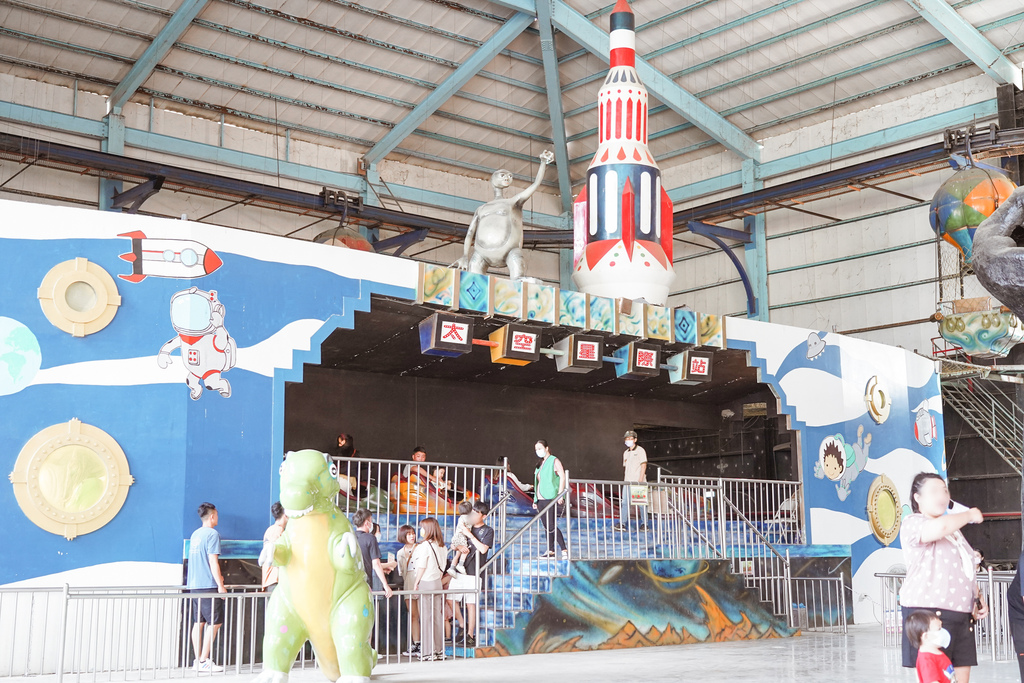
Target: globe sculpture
964,201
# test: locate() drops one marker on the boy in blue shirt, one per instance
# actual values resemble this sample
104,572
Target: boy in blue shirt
204,577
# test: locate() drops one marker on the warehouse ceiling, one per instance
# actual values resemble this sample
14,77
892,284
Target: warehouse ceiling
346,73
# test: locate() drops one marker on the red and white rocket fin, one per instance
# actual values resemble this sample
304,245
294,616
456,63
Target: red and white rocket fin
134,277
211,261
596,251
666,224
628,218
135,235
129,257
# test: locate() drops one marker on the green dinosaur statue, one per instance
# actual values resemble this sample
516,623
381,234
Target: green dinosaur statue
322,594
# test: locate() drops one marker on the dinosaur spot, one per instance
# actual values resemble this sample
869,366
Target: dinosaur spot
284,629
366,612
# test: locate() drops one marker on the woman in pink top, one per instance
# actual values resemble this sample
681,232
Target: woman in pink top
940,571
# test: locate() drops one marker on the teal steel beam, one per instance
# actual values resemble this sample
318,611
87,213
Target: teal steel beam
970,41
584,32
225,156
555,112
802,59
270,121
905,132
756,251
469,68
157,50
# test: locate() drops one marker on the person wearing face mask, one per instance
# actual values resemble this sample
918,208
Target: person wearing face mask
924,629
940,572
548,482
634,462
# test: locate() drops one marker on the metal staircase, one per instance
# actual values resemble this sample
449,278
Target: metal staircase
991,412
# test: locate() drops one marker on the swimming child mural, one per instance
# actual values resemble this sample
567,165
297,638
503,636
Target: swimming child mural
841,462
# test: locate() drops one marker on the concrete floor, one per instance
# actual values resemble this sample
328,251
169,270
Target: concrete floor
858,657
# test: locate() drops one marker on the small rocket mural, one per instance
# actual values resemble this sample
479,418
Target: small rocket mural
168,258
622,218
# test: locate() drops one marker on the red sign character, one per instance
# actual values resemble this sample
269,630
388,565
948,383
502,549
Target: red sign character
523,342
586,350
646,359
453,332
698,366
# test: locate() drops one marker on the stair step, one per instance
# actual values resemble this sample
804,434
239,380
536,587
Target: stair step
516,602
534,584
538,567
490,618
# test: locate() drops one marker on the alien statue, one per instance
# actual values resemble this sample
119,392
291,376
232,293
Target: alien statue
998,257
322,594
495,237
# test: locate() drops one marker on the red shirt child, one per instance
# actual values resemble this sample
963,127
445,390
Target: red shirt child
925,629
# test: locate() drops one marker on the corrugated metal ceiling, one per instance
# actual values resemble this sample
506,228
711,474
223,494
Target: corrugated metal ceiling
343,72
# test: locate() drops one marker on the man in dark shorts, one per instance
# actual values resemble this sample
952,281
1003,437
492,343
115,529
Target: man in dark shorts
481,539
362,520
204,577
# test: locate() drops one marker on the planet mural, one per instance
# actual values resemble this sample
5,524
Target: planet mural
20,357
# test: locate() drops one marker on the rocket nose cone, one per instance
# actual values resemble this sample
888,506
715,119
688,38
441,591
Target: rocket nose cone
211,261
621,6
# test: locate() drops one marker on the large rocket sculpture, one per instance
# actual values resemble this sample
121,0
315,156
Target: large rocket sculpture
623,217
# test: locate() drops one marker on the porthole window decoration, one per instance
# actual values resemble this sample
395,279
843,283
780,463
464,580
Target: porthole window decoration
885,512
79,297
71,479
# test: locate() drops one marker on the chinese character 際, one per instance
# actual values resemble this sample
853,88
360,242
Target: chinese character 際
646,359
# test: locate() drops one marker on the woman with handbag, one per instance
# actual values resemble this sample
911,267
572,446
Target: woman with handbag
429,559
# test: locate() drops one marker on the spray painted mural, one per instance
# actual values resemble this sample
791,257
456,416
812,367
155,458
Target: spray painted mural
639,603
863,410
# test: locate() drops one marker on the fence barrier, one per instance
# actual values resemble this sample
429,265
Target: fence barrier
992,634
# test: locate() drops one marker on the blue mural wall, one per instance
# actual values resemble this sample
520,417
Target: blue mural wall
861,410
281,298
277,296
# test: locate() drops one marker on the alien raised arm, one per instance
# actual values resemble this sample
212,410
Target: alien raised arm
998,257
546,157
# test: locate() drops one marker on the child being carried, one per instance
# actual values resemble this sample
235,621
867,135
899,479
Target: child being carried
460,542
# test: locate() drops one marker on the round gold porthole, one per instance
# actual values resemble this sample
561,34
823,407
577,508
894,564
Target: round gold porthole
71,478
884,509
79,297
878,399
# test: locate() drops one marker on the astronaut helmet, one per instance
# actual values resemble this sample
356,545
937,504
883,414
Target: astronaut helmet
195,311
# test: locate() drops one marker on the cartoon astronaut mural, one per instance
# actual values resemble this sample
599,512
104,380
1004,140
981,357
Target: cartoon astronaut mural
207,350
842,462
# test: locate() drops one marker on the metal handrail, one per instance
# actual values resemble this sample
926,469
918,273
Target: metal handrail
757,531
536,519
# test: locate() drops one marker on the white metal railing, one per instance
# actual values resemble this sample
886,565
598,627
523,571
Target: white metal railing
992,634
776,507
400,492
819,604
143,633
671,521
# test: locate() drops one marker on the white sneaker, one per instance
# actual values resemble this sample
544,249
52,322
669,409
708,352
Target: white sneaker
208,666
451,571
565,554
460,569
